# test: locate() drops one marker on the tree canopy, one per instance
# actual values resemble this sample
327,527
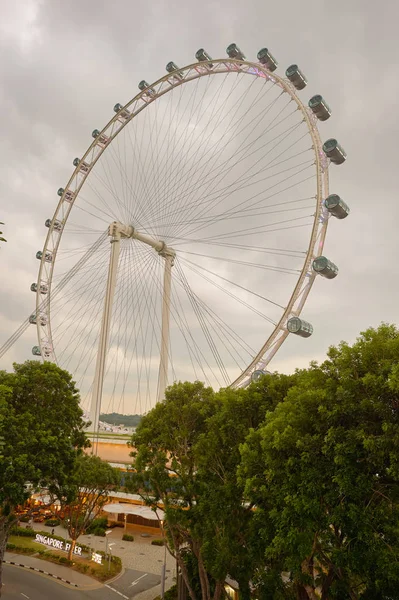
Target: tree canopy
119,419
186,457
323,472
86,493
290,485
43,434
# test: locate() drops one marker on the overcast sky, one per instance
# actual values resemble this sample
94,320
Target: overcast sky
64,64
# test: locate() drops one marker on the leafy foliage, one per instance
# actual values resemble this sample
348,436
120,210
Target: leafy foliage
187,453
119,419
85,496
40,447
290,486
323,472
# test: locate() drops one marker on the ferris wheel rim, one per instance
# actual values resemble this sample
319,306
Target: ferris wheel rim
320,221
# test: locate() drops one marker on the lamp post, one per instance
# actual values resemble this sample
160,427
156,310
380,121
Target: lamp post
109,555
163,574
106,540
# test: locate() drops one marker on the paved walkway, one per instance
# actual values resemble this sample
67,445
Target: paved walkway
139,559
139,555
83,581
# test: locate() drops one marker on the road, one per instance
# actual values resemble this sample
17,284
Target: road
23,584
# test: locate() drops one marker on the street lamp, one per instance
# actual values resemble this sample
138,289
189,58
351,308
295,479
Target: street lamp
106,540
163,576
109,555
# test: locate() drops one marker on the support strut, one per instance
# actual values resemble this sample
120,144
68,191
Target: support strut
117,231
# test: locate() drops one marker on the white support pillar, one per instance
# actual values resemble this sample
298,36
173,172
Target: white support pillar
116,231
164,359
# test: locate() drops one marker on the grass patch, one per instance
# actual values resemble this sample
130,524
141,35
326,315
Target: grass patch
24,542
25,545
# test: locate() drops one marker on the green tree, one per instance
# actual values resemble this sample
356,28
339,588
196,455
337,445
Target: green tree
187,453
227,526
323,472
84,497
165,467
43,435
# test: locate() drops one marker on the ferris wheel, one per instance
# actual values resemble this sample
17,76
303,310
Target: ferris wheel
189,235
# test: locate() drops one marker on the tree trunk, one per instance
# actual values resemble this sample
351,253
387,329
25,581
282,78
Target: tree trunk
71,549
218,590
5,527
307,568
203,575
185,577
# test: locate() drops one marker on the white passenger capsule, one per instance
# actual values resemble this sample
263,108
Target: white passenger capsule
172,67
299,327
83,166
319,107
57,225
233,51
43,288
256,375
101,138
297,78
267,59
203,56
325,267
334,151
336,206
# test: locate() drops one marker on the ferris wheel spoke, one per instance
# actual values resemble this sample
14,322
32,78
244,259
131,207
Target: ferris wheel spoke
288,271
248,181
216,175
186,134
211,117
255,230
200,143
250,248
111,213
204,328
218,115
95,297
199,272
229,335
217,168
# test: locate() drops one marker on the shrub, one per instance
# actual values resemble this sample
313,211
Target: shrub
82,567
51,522
99,531
23,532
157,542
127,538
25,519
64,560
100,523
171,593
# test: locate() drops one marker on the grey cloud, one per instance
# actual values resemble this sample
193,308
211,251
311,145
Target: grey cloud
65,64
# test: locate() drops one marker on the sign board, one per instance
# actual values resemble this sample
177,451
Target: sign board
97,558
57,544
